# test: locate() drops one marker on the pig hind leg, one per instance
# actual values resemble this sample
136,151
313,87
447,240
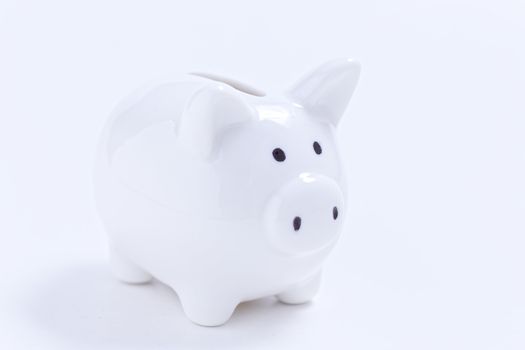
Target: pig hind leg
125,270
302,292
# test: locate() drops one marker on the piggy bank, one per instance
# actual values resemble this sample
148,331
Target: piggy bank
225,193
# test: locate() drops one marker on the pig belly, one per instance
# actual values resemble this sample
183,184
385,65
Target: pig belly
190,252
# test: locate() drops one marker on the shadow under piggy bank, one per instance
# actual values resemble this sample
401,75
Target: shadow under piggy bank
87,306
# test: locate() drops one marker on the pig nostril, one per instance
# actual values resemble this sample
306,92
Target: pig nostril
335,213
317,148
296,223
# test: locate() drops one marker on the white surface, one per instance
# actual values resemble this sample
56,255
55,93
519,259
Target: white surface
432,257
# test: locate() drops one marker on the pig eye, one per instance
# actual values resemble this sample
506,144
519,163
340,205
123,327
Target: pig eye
317,148
278,155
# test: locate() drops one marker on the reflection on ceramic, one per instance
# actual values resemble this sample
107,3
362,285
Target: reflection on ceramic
222,192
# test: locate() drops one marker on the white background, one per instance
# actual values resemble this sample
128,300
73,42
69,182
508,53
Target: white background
432,256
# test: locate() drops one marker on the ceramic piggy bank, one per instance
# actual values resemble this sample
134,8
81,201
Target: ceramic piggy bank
222,192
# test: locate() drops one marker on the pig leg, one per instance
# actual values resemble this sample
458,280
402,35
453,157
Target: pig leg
301,292
125,270
207,309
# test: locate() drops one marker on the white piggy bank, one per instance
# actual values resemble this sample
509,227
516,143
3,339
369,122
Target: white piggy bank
223,193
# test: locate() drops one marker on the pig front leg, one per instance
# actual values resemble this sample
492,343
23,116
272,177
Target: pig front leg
301,292
206,308
125,270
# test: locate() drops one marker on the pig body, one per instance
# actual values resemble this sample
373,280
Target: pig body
224,194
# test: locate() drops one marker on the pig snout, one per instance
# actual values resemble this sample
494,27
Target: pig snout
305,214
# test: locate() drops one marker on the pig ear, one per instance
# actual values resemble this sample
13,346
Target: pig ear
209,113
327,90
